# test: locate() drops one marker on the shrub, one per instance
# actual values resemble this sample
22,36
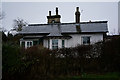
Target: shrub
39,63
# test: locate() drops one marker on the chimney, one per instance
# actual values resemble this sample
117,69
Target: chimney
77,15
49,13
90,21
56,11
53,18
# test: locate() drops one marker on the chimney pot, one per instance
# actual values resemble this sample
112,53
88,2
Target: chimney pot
77,14
56,10
90,21
49,13
77,8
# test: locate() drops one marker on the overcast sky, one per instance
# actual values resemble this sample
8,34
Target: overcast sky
36,12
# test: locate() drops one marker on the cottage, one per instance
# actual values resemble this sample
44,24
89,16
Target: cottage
55,34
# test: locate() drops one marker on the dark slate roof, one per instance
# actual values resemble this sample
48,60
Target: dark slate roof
33,36
57,28
94,27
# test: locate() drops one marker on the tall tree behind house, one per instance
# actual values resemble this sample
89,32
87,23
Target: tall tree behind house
19,24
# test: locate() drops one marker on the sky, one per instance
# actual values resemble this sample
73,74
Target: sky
36,12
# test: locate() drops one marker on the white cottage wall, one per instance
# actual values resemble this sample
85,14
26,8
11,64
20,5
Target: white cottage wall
74,41
77,39
96,38
45,43
59,43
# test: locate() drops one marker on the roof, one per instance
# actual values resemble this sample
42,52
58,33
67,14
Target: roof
57,29
25,37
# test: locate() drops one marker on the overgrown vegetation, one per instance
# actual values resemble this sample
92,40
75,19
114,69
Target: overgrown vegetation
38,63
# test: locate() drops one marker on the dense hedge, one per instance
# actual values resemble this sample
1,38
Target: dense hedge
38,63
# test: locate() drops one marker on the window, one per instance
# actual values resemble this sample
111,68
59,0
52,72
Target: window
35,42
63,43
29,43
23,44
86,40
54,44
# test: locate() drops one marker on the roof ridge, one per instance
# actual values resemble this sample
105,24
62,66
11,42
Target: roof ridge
68,23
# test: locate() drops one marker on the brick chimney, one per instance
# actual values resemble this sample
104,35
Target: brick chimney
54,18
77,15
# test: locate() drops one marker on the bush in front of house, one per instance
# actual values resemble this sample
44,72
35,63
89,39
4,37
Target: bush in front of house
11,62
39,63
110,56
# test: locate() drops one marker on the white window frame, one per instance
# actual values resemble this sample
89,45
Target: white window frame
55,44
28,45
86,42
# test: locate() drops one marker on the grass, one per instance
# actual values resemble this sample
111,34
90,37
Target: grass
84,76
107,75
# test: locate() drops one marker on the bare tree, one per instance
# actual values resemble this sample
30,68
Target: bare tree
2,15
19,24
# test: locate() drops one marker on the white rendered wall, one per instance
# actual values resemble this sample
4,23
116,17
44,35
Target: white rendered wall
75,40
45,43
96,38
